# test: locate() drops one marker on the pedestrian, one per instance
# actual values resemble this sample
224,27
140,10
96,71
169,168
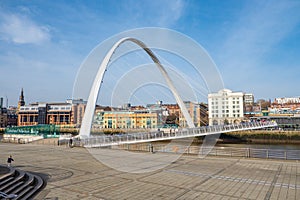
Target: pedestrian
71,142
9,160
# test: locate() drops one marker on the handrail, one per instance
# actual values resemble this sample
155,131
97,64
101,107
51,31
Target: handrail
130,138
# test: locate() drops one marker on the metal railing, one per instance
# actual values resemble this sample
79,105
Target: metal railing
284,154
131,138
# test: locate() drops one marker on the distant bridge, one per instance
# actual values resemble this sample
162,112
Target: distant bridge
132,138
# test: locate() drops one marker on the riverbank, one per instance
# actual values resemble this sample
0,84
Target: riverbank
262,136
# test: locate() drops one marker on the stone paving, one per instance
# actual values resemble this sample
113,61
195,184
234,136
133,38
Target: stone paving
73,173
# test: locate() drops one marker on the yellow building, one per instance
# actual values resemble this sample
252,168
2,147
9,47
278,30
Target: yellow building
126,119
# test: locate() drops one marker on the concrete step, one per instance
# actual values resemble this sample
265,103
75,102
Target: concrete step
13,187
10,173
28,182
19,175
24,192
37,185
23,184
6,180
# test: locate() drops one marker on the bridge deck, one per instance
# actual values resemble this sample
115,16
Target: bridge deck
131,138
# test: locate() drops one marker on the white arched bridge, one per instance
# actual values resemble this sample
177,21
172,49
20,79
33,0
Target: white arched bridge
91,103
132,138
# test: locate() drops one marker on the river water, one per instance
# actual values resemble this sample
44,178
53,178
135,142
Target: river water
263,146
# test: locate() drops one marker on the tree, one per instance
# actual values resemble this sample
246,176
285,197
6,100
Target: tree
226,122
172,119
264,104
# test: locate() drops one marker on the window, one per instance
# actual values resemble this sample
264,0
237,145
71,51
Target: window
61,118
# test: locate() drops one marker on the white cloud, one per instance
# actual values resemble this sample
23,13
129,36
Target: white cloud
22,30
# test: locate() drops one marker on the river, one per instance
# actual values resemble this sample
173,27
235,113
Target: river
263,146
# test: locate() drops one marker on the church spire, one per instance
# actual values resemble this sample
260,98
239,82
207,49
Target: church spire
21,100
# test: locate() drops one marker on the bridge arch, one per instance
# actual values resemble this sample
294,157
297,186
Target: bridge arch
91,103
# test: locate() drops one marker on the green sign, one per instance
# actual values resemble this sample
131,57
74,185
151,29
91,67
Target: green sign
45,130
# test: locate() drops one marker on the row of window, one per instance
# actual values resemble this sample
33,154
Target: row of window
61,118
51,108
129,121
226,102
223,107
60,108
233,98
225,115
133,127
223,111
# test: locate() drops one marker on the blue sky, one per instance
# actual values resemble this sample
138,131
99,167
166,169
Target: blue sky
255,44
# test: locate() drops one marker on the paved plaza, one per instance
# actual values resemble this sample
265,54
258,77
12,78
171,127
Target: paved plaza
73,173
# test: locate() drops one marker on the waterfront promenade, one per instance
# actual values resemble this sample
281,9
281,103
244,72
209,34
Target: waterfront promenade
73,173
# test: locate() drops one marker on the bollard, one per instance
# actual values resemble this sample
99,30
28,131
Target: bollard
285,155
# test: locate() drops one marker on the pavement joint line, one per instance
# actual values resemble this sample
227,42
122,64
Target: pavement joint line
273,184
218,172
223,195
235,179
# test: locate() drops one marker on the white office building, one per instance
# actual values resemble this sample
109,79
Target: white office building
225,107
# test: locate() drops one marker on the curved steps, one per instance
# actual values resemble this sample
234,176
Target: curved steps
20,185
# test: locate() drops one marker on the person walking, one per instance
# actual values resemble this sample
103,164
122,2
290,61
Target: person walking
9,160
71,142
